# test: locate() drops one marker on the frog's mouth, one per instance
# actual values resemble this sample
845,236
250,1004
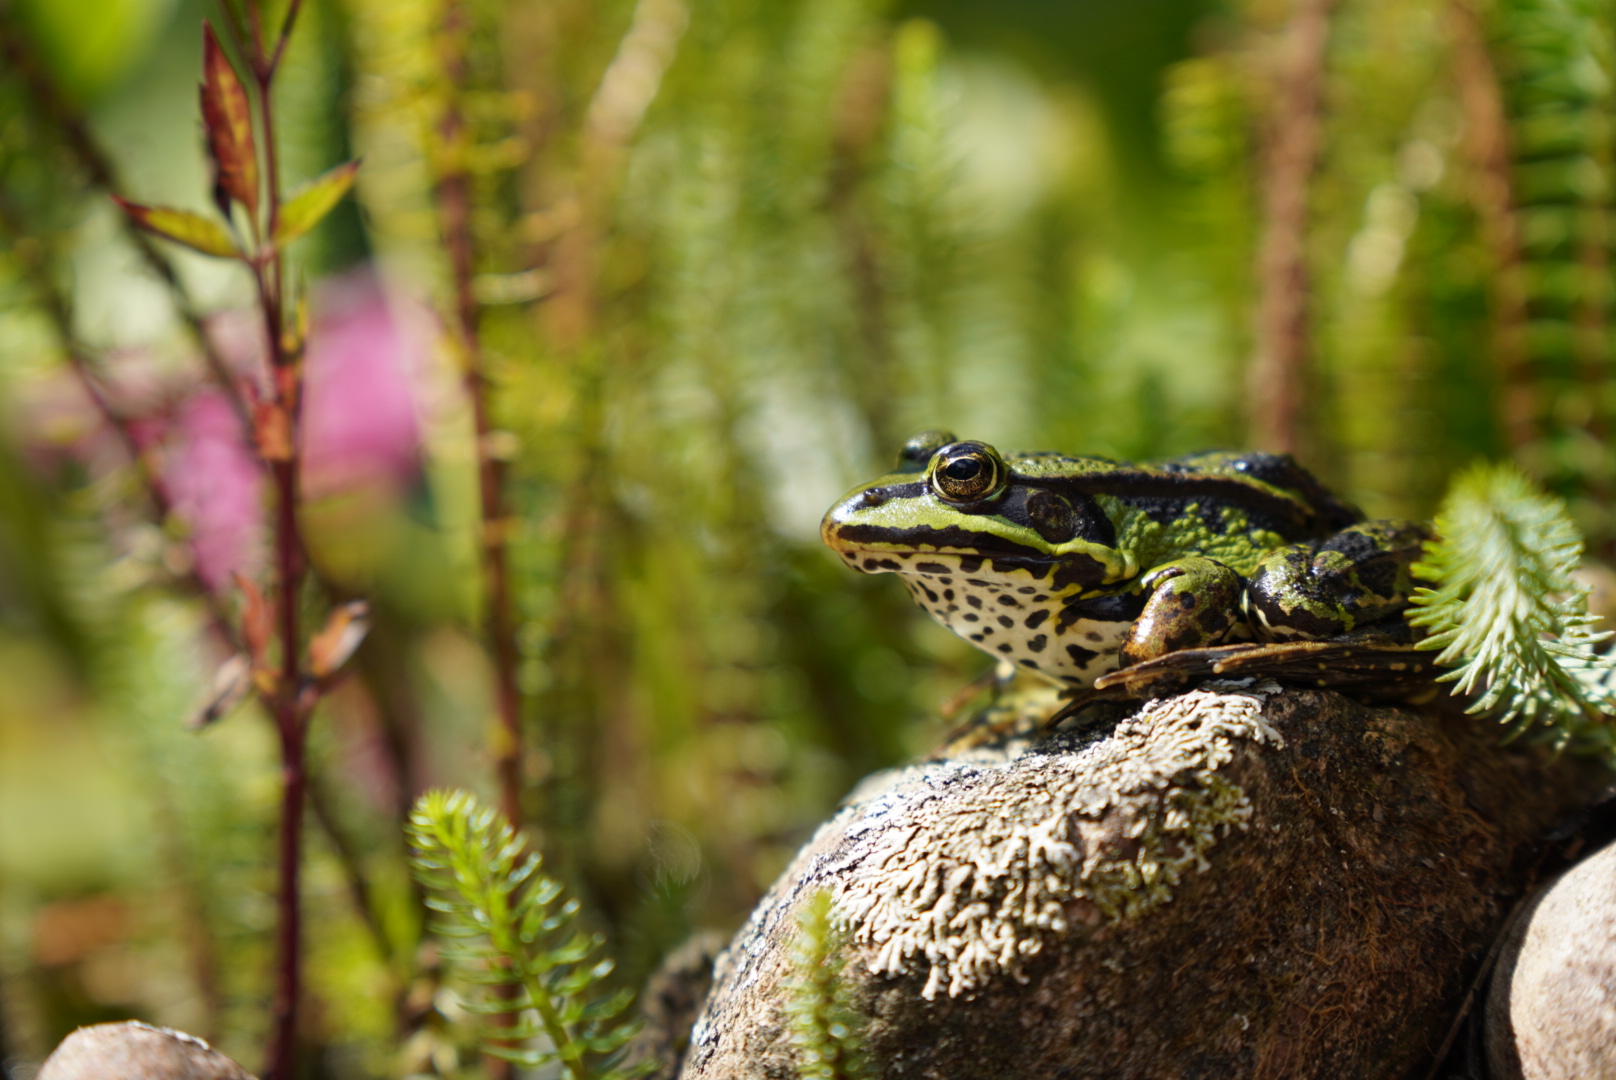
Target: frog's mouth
931,551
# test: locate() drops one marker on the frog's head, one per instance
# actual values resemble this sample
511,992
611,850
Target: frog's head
959,508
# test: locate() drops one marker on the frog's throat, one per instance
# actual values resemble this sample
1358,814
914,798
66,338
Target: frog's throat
1041,632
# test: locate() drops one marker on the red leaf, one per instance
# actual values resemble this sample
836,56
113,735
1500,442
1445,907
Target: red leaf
343,631
257,619
227,115
183,227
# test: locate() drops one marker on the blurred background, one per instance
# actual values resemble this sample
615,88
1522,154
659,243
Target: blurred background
727,255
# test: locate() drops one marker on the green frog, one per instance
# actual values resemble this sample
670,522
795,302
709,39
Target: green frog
1072,567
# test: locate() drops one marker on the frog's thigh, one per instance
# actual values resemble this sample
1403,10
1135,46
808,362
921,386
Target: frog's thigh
1193,602
1358,577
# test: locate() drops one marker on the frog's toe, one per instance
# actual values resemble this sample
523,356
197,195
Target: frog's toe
1193,605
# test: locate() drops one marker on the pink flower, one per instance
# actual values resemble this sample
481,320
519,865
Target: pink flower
216,488
360,425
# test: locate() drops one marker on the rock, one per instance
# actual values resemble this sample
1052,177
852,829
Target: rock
1551,1014
668,1004
134,1051
1233,882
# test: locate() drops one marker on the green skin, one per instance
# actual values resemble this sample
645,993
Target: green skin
1070,567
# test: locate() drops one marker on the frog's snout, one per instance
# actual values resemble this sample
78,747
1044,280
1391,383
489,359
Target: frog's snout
845,512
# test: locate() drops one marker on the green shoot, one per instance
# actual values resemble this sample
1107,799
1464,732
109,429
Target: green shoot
824,1026
1508,613
505,926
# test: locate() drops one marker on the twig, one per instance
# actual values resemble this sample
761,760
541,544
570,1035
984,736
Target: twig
1492,192
1278,374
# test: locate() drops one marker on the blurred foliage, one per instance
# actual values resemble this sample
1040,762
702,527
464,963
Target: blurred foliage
728,254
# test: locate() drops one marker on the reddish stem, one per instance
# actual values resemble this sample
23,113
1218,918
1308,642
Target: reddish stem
287,702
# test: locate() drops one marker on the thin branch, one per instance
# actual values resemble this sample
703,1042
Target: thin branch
1492,192
1279,370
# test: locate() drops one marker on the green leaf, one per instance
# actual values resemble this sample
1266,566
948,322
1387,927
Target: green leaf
312,202
183,227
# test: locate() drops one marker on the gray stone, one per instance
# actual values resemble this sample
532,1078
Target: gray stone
134,1051
1551,1014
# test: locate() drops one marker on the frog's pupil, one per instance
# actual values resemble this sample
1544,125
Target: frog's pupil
963,469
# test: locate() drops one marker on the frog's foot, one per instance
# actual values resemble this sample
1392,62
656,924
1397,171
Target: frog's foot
1193,602
1357,578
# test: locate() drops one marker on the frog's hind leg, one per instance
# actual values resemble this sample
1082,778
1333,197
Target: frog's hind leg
1359,578
1193,602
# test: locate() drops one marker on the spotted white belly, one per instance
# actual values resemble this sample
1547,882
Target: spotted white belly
1023,624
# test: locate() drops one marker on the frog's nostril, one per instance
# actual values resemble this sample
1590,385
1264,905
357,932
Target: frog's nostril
873,497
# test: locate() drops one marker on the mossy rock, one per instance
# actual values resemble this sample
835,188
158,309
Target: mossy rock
1234,882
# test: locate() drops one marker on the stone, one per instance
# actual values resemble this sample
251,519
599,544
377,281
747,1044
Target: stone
1551,1014
1239,881
134,1051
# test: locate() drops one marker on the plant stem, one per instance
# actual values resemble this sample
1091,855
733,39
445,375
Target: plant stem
1278,374
288,701
454,211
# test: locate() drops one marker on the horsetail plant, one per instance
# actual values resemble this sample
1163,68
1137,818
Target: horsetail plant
506,928
1508,613
825,1027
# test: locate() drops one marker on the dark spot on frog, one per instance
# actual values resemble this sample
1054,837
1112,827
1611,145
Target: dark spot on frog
974,600
1026,590
931,568
1006,621
1094,635
1379,576
971,616
1037,643
970,564
1080,656
929,594
1009,601
978,637
948,594
1186,600
1036,619
945,581
1029,663
1005,647
978,582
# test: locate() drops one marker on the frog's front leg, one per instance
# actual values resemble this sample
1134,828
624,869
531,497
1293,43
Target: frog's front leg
1191,603
1358,578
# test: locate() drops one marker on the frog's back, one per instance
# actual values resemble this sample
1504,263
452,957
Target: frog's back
1269,492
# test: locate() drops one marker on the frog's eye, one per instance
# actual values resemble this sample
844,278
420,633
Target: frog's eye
919,449
966,472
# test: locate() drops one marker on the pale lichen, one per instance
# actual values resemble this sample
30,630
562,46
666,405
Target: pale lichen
971,893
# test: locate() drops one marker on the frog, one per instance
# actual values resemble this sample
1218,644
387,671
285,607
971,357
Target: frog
1073,567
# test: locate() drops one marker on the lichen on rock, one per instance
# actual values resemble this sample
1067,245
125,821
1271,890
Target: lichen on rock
1233,882
1116,825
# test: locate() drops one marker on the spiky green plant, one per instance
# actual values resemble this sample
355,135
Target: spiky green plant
507,929
1508,613
825,1027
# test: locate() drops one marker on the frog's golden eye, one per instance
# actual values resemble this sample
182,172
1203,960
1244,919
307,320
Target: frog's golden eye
966,472
919,449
